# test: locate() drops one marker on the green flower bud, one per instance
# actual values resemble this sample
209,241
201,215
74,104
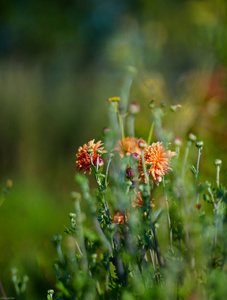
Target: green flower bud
99,151
199,144
218,162
72,215
142,144
192,137
89,150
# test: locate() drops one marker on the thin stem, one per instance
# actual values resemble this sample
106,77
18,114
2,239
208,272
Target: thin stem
131,125
197,172
80,235
153,263
218,176
97,164
150,133
157,250
168,217
216,207
144,169
189,143
107,209
170,226
107,170
177,149
122,127
2,290
197,165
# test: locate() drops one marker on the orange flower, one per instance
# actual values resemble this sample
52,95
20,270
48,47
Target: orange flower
119,218
157,159
128,146
83,161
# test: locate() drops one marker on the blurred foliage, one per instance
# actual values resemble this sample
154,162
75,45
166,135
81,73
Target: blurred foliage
59,62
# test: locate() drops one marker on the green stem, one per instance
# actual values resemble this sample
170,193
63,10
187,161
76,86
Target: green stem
218,176
189,143
168,217
197,173
80,236
122,127
150,133
144,169
97,164
197,165
107,170
131,125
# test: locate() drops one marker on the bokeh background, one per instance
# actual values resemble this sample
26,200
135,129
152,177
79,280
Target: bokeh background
59,62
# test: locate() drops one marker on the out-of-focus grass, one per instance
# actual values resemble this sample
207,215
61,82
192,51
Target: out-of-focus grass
30,216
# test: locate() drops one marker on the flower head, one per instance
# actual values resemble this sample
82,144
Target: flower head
83,160
139,202
119,218
157,160
127,146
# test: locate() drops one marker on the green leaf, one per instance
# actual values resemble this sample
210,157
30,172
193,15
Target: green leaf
193,169
93,169
156,215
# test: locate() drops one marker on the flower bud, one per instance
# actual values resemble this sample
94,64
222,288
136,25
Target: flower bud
99,151
72,215
151,103
218,162
134,108
192,137
129,173
177,141
106,130
76,196
136,156
94,256
100,162
142,144
133,184
113,99
175,107
198,206
111,155
199,144
89,150
129,183
57,239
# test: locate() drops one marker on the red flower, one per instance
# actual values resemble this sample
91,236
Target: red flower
83,160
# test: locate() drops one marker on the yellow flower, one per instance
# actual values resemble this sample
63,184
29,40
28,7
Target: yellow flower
113,99
157,160
83,160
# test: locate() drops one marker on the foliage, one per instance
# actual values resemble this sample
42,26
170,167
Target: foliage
135,247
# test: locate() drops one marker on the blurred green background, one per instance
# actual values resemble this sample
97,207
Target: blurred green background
59,62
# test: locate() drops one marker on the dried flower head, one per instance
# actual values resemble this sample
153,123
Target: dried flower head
128,146
83,160
157,159
119,218
138,202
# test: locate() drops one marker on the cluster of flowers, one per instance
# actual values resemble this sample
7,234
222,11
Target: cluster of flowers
153,159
